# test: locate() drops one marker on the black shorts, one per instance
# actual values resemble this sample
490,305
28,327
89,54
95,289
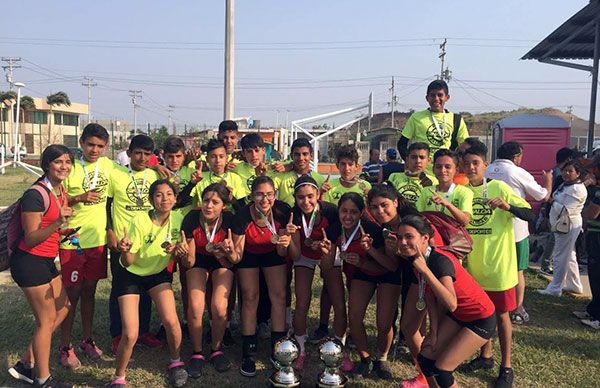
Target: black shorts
387,278
127,283
209,263
485,327
29,270
262,260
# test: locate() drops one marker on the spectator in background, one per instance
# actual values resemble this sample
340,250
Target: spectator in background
591,315
392,165
507,169
370,170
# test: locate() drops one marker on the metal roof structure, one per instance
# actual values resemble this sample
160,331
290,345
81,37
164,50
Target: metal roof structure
533,121
576,39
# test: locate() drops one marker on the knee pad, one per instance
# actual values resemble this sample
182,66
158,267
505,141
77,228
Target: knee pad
427,365
443,378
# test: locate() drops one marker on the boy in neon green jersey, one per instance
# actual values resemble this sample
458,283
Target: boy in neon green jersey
347,163
174,154
253,148
410,183
493,261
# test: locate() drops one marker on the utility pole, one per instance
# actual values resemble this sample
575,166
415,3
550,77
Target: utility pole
445,74
9,69
229,61
393,101
169,110
135,94
89,85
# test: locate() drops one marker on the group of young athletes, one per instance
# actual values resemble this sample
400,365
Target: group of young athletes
224,224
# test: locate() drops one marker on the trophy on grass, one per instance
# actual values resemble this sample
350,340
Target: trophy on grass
285,352
331,352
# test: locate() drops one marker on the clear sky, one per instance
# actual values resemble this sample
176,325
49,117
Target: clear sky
305,57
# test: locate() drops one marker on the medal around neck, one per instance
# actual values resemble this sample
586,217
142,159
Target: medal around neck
421,304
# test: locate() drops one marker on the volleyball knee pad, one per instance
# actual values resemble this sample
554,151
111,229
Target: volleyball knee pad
427,365
443,378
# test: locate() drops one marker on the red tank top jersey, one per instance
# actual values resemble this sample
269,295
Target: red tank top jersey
258,239
193,227
328,213
369,227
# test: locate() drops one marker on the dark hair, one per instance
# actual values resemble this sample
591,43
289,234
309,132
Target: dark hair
305,180
220,188
509,150
251,141
373,149
213,144
173,144
155,184
418,146
260,180
387,190
437,85
418,222
348,152
51,153
355,198
564,154
301,142
576,164
228,125
96,130
444,152
144,142
478,149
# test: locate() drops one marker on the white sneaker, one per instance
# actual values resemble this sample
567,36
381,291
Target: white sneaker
545,291
593,323
582,315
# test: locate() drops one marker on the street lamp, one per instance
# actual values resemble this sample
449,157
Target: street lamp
17,145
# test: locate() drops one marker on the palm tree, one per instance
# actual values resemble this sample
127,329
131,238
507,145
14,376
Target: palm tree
60,98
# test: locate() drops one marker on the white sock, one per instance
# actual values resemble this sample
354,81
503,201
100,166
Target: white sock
178,359
118,378
42,381
301,341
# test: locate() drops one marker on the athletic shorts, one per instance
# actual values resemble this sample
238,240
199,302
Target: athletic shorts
90,265
387,278
209,263
309,263
29,270
523,254
485,327
263,260
504,301
127,283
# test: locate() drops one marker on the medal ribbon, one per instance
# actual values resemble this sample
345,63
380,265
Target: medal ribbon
423,282
346,243
440,130
269,225
168,235
214,231
62,194
137,190
311,224
448,194
92,184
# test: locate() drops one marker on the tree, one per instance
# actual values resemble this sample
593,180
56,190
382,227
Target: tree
60,98
159,136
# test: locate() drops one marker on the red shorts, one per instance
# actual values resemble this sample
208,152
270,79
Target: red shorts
504,301
75,268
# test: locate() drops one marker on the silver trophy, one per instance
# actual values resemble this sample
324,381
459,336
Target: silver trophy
331,352
285,352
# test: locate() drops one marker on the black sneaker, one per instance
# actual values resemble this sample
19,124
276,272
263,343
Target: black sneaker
52,383
228,340
178,376
248,367
505,378
476,364
195,365
19,372
318,335
383,369
219,361
363,368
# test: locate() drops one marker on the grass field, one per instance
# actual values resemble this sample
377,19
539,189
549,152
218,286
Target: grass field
13,183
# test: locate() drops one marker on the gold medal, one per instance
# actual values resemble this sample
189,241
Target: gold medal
344,255
210,247
139,202
308,242
421,304
176,180
274,239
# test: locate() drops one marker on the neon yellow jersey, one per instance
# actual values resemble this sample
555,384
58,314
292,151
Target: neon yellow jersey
232,180
192,163
248,173
337,190
146,239
125,198
408,186
180,179
461,197
91,217
493,261
287,180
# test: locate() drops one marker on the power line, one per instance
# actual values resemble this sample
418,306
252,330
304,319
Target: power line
12,64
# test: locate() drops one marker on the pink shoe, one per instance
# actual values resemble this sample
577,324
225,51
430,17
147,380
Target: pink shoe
414,383
347,364
90,349
300,361
68,358
149,340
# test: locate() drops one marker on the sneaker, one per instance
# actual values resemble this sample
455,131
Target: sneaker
300,361
582,315
505,378
228,340
248,367
347,364
547,271
52,383
19,372
264,331
363,368
149,340
544,291
317,336
178,376
414,383
383,369
90,349
593,323
68,358
118,383
476,364
114,344
219,361
195,365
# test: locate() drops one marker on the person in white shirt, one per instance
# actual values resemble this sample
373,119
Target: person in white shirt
507,168
123,158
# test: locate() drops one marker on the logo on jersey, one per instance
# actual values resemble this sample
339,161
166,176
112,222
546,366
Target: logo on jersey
249,182
410,191
101,186
132,194
482,212
336,195
434,138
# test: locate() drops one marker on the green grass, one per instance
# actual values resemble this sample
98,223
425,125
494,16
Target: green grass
554,349
13,183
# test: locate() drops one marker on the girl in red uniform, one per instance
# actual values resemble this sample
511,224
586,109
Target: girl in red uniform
262,237
44,211
462,316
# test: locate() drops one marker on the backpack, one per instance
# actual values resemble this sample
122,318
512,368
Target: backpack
454,235
11,230
454,140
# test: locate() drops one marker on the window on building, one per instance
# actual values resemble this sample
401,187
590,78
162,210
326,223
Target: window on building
40,117
70,140
29,143
72,120
58,118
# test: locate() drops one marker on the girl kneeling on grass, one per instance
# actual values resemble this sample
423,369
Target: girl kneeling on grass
462,316
209,256
146,253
